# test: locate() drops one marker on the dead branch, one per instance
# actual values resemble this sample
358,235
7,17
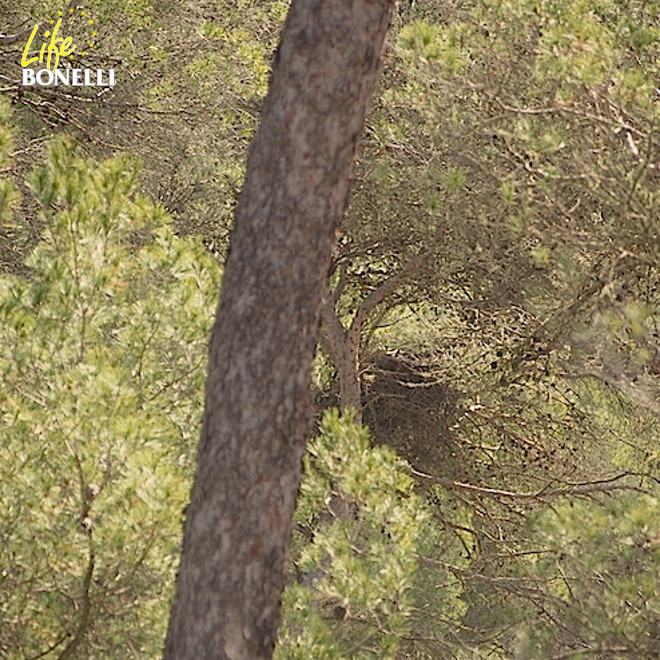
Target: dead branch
598,486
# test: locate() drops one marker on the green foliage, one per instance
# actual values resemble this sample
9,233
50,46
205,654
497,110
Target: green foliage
6,132
190,82
9,196
602,562
431,42
535,160
365,521
101,396
522,133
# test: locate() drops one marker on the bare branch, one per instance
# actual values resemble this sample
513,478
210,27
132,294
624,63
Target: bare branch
517,586
9,39
386,289
579,488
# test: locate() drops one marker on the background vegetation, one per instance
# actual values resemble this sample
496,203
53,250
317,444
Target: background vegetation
497,282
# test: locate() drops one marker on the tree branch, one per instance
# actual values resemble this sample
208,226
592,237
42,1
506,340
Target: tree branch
9,39
579,488
87,494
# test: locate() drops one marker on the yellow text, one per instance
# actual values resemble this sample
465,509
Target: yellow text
58,45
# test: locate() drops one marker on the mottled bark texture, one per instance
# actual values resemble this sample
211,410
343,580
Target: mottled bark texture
258,399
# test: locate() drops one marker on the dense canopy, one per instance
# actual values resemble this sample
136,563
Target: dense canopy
490,333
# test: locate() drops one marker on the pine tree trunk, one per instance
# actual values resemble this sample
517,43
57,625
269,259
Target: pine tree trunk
257,412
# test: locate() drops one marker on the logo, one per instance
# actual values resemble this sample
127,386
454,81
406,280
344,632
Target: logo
51,65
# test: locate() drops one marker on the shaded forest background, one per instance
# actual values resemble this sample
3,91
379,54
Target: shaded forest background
491,318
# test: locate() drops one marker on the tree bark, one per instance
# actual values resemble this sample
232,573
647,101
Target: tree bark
258,399
343,349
